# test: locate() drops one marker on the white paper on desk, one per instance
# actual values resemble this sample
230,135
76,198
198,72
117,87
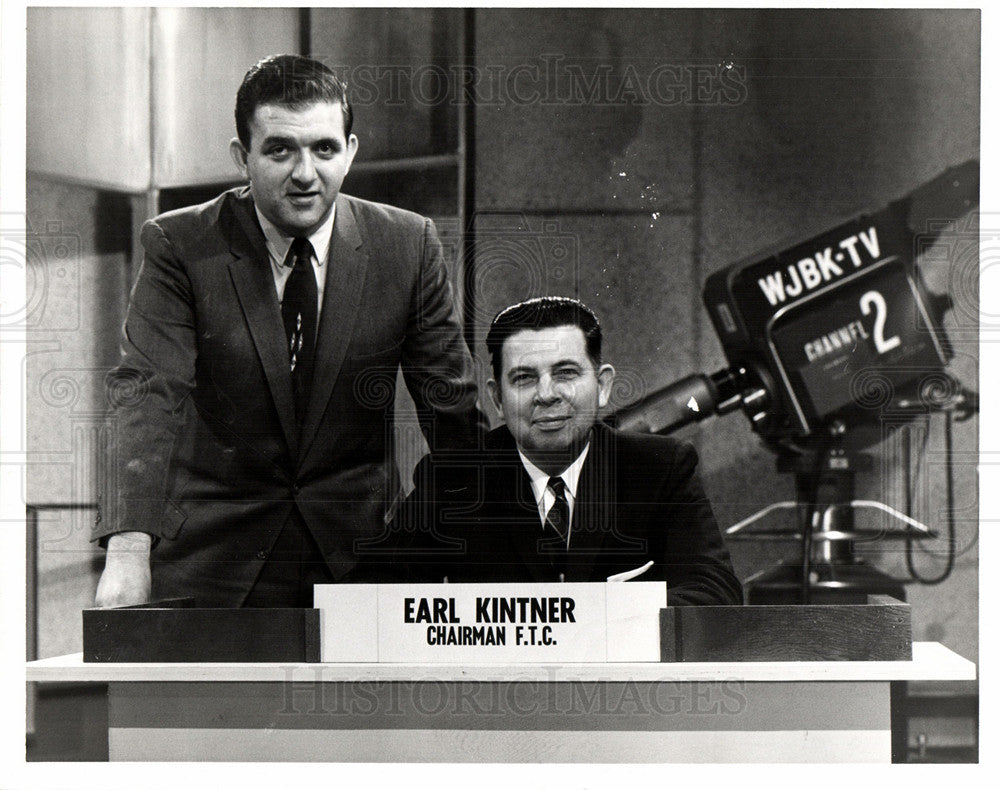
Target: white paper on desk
626,575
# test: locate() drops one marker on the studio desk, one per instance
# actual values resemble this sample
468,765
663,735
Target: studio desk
756,711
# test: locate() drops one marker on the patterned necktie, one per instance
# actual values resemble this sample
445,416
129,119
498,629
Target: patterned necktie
557,519
298,313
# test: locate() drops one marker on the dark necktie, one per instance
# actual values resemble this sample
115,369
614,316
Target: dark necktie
557,519
298,312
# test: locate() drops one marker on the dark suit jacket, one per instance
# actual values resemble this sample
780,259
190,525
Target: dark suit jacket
207,455
473,517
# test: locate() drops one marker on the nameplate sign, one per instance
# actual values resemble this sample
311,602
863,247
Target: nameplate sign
490,623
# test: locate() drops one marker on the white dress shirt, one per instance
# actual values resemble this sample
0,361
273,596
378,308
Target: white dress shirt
277,250
543,494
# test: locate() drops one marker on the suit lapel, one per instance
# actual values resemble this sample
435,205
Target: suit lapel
595,504
346,266
254,283
512,510
528,529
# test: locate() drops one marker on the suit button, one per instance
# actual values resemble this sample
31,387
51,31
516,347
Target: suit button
261,555
296,490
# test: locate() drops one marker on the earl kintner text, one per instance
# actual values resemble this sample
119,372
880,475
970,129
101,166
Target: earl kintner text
491,610
531,618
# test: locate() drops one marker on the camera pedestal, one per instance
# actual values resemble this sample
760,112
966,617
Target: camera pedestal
827,571
829,583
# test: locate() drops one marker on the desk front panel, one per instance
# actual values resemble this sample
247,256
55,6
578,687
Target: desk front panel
501,721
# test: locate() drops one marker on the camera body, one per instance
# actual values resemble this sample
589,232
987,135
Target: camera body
836,329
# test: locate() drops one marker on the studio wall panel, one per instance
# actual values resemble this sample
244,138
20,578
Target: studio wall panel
137,98
88,95
584,110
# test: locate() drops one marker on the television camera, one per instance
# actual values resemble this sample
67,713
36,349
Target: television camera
824,338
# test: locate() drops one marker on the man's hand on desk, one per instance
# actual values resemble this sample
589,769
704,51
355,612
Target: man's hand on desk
126,578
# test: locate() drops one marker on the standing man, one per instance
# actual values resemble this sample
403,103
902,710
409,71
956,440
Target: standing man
558,495
254,398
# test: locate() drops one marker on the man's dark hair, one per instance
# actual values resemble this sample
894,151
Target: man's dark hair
543,312
292,81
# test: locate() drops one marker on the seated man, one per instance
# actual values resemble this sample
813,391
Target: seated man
558,495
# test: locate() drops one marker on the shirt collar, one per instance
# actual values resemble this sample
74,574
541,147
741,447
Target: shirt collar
278,243
570,475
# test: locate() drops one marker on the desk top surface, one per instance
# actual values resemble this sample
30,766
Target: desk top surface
931,661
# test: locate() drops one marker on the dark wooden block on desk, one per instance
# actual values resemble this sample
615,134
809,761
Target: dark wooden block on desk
877,631
178,631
